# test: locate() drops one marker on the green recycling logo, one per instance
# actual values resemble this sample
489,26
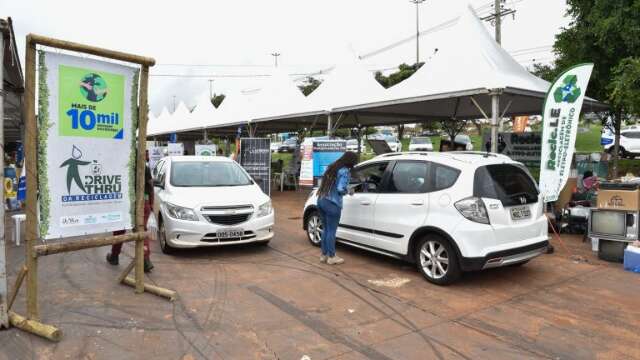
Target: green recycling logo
73,173
568,92
93,87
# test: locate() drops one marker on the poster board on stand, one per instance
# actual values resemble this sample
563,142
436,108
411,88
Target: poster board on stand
87,153
206,150
175,149
255,158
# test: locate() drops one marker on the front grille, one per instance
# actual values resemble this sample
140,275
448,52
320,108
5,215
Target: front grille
213,238
231,219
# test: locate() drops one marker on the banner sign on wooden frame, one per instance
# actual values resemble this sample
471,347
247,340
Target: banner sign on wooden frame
87,145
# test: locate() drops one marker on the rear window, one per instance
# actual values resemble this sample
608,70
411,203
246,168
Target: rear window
511,184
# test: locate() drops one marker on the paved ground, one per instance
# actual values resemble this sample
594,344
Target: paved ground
278,302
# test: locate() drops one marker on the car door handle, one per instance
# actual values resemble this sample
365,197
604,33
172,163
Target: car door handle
365,202
417,203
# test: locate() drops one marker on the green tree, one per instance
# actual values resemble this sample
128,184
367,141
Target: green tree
217,99
309,84
604,32
625,87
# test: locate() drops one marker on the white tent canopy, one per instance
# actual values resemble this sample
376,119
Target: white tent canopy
155,127
470,77
278,96
470,64
203,114
347,84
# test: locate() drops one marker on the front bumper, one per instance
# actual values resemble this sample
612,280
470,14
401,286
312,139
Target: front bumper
504,257
190,234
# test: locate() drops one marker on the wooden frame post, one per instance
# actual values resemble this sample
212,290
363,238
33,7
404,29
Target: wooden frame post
31,206
140,172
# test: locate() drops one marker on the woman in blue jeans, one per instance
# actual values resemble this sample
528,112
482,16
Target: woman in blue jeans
333,187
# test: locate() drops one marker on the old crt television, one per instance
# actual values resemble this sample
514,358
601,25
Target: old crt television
613,224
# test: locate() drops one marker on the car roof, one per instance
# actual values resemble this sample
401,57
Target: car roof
456,159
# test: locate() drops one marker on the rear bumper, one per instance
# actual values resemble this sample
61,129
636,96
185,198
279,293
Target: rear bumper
504,257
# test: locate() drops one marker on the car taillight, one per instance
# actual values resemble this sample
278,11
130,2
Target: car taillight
473,209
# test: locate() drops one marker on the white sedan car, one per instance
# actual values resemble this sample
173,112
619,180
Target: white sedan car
208,201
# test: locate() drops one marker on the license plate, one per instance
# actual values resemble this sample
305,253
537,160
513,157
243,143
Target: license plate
229,233
520,213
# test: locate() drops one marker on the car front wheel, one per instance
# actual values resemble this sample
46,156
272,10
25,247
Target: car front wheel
437,261
314,228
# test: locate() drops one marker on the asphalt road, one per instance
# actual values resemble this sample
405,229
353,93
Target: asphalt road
279,302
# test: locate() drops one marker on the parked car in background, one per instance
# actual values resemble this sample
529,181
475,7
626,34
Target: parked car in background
275,146
446,212
394,143
288,146
208,201
352,145
420,143
629,141
462,140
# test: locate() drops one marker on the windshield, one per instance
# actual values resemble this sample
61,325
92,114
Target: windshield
352,142
207,174
391,139
422,140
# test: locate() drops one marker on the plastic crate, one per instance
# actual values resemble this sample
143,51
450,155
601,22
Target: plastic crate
632,259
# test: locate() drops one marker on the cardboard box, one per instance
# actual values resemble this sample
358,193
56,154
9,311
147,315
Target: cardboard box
619,196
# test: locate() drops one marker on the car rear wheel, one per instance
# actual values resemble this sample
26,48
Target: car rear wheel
437,261
162,239
314,228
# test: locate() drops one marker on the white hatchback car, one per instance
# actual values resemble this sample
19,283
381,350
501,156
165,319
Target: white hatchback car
208,201
629,141
420,143
447,212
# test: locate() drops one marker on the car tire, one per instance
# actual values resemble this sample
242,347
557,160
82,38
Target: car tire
313,225
162,239
622,153
445,269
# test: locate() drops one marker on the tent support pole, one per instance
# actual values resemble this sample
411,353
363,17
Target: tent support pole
329,127
358,134
495,111
204,135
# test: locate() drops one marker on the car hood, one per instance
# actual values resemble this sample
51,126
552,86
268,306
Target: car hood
194,197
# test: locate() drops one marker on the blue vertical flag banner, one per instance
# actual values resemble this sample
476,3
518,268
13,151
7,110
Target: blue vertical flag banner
561,114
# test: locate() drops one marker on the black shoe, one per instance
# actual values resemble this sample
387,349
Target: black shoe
148,266
112,259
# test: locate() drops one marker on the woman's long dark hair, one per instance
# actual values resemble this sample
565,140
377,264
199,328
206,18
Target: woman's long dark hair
348,159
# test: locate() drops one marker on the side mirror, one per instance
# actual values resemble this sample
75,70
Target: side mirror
158,183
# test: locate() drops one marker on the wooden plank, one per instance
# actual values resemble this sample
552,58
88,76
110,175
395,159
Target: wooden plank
35,327
126,271
93,50
16,287
153,289
80,244
31,139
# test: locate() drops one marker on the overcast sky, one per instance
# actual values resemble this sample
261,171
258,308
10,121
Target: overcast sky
237,37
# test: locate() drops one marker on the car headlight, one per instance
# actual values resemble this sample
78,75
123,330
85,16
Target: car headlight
265,209
180,213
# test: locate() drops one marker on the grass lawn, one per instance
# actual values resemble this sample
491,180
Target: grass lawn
589,142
